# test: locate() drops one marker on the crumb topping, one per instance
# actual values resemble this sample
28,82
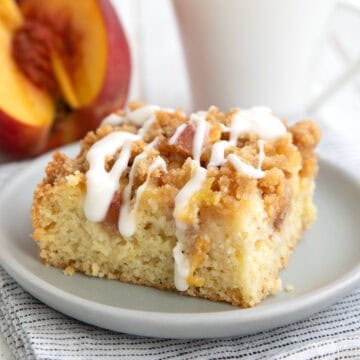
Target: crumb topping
283,157
243,163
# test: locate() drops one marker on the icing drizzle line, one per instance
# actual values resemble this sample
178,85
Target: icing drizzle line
102,184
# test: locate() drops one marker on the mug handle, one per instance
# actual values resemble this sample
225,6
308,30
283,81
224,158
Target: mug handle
348,74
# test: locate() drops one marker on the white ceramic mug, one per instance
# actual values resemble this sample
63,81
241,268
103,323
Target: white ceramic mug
251,52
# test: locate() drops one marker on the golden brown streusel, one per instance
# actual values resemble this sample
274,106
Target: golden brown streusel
231,258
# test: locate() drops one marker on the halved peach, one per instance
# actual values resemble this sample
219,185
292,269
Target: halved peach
26,112
10,15
66,64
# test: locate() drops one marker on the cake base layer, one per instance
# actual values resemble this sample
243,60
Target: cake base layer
211,204
237,259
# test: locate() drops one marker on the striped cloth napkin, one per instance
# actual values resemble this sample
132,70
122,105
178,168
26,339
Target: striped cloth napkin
35,331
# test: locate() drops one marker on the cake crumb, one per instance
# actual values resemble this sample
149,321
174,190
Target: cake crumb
95,268
289,288
74,179
69,270
278,285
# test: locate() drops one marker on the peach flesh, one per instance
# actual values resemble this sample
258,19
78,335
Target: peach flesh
96,58
90,94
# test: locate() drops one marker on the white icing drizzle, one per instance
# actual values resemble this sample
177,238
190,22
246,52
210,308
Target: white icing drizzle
127,218
159,162
200,134
257,120
113,119
197,178
139,116
224,128
182,264
217,157
145,117
261,155
198,175
126,222
179,130
143,130
244,168
152,144
168,110
182,268
101,185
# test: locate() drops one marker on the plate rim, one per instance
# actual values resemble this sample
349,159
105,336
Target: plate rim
307,303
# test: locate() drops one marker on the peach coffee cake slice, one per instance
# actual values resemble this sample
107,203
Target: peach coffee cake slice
210,205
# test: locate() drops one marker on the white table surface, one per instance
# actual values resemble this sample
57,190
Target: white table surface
158,58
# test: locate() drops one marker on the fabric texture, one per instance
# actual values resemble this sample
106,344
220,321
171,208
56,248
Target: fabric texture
35,331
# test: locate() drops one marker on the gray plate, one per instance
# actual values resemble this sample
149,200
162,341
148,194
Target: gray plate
324,267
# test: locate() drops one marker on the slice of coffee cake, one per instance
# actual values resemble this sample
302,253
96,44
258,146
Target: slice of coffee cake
210,204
